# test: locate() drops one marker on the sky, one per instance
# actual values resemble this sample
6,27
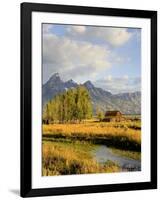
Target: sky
110,57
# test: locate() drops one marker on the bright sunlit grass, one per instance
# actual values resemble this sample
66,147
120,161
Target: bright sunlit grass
120,133
67,147
71,158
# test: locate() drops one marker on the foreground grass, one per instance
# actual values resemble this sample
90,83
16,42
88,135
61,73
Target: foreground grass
123,135
62,158
129,154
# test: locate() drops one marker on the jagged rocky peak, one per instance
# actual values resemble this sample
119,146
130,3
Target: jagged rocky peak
55,78
70,83
127,103
88,84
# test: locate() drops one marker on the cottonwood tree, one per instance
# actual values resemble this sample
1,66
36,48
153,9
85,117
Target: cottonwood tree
72,105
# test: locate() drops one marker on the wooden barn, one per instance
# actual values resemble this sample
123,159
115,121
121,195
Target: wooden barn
113,116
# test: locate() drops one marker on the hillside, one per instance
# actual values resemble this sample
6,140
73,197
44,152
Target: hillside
127,103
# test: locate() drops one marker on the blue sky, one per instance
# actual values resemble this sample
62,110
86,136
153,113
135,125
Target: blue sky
108,56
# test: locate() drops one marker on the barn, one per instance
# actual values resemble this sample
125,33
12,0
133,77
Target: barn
113,116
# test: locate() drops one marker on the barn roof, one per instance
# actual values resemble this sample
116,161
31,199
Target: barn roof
112,113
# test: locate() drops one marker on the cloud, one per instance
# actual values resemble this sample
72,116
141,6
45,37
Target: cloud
116,36
116,59
47,28
110,35
109,77
72,59
76,29
85,52
119,84
126,77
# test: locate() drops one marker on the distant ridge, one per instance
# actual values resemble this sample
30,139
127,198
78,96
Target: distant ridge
127,103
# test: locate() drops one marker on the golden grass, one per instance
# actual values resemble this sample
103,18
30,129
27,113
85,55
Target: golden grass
67,147
129,154
71,129
118,133
60,159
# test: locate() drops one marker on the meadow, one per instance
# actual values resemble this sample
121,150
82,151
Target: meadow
124,135
62,158
67,147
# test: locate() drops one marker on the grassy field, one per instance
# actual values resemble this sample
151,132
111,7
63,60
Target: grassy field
67,147
123,135
126,153
62,158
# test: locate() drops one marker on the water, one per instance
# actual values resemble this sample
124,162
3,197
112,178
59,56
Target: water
103,153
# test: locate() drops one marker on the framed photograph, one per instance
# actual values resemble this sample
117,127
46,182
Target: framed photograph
88,99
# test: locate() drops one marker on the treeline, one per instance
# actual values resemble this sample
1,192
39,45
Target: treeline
70,106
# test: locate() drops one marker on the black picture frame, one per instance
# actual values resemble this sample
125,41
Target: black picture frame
26,103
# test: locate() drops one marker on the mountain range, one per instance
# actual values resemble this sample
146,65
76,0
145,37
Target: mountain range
127,103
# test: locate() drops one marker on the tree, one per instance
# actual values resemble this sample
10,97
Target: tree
47,113
100,115
72,105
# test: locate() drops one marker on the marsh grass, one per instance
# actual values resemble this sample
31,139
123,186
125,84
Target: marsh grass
126,153
67,148
125,135
72,158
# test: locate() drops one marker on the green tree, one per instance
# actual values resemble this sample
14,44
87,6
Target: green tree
72,105
100,114
47,113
